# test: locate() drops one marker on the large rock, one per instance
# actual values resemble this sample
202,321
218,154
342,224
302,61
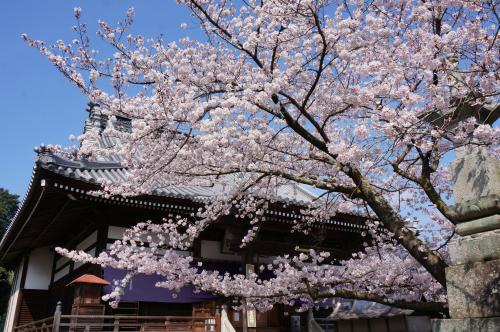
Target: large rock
474,289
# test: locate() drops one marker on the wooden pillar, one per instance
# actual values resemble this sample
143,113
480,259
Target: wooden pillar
245,260
57,318
244,320
248,326
217,321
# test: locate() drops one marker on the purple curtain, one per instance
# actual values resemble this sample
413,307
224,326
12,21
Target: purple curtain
142,287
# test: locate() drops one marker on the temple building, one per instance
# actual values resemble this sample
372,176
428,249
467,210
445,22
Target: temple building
61,209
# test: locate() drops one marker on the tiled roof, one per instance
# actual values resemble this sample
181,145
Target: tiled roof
111,171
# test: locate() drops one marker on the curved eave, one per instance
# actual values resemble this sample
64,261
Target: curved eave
28,204
96,173
52,179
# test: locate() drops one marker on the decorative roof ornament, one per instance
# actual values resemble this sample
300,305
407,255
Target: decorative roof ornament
96,118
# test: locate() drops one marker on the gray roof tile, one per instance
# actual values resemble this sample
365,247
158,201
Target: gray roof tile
97,172
109,169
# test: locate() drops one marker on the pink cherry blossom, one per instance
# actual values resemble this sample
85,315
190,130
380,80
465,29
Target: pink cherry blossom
355,99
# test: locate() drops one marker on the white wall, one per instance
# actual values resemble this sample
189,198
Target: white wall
209,249
87,242
39,269
212,250
14,297
84,244
115,232
61,261
61,273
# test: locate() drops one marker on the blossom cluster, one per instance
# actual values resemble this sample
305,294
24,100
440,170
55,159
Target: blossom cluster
361,100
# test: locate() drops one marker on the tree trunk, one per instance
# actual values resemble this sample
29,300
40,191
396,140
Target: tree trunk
391,220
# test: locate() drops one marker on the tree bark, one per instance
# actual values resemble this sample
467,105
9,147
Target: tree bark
391,220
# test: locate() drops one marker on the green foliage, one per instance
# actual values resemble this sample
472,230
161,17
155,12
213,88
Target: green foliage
5,283
8,206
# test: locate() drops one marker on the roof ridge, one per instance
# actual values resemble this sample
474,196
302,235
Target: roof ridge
46,158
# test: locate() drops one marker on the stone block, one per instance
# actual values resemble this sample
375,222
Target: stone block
466,325
418,324
475,173
479,225
480,207
475,248
474,289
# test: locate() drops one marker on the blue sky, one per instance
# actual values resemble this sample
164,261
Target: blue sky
38,105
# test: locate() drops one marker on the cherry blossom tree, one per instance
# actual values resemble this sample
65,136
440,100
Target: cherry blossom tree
357,99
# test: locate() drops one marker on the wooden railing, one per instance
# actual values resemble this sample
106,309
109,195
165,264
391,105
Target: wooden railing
116,323
43,325
92,323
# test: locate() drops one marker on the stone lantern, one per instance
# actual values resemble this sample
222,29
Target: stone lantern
87,295
473,277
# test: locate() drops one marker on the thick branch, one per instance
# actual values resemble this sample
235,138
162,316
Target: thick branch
298,128
424,181
351,192
395,224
